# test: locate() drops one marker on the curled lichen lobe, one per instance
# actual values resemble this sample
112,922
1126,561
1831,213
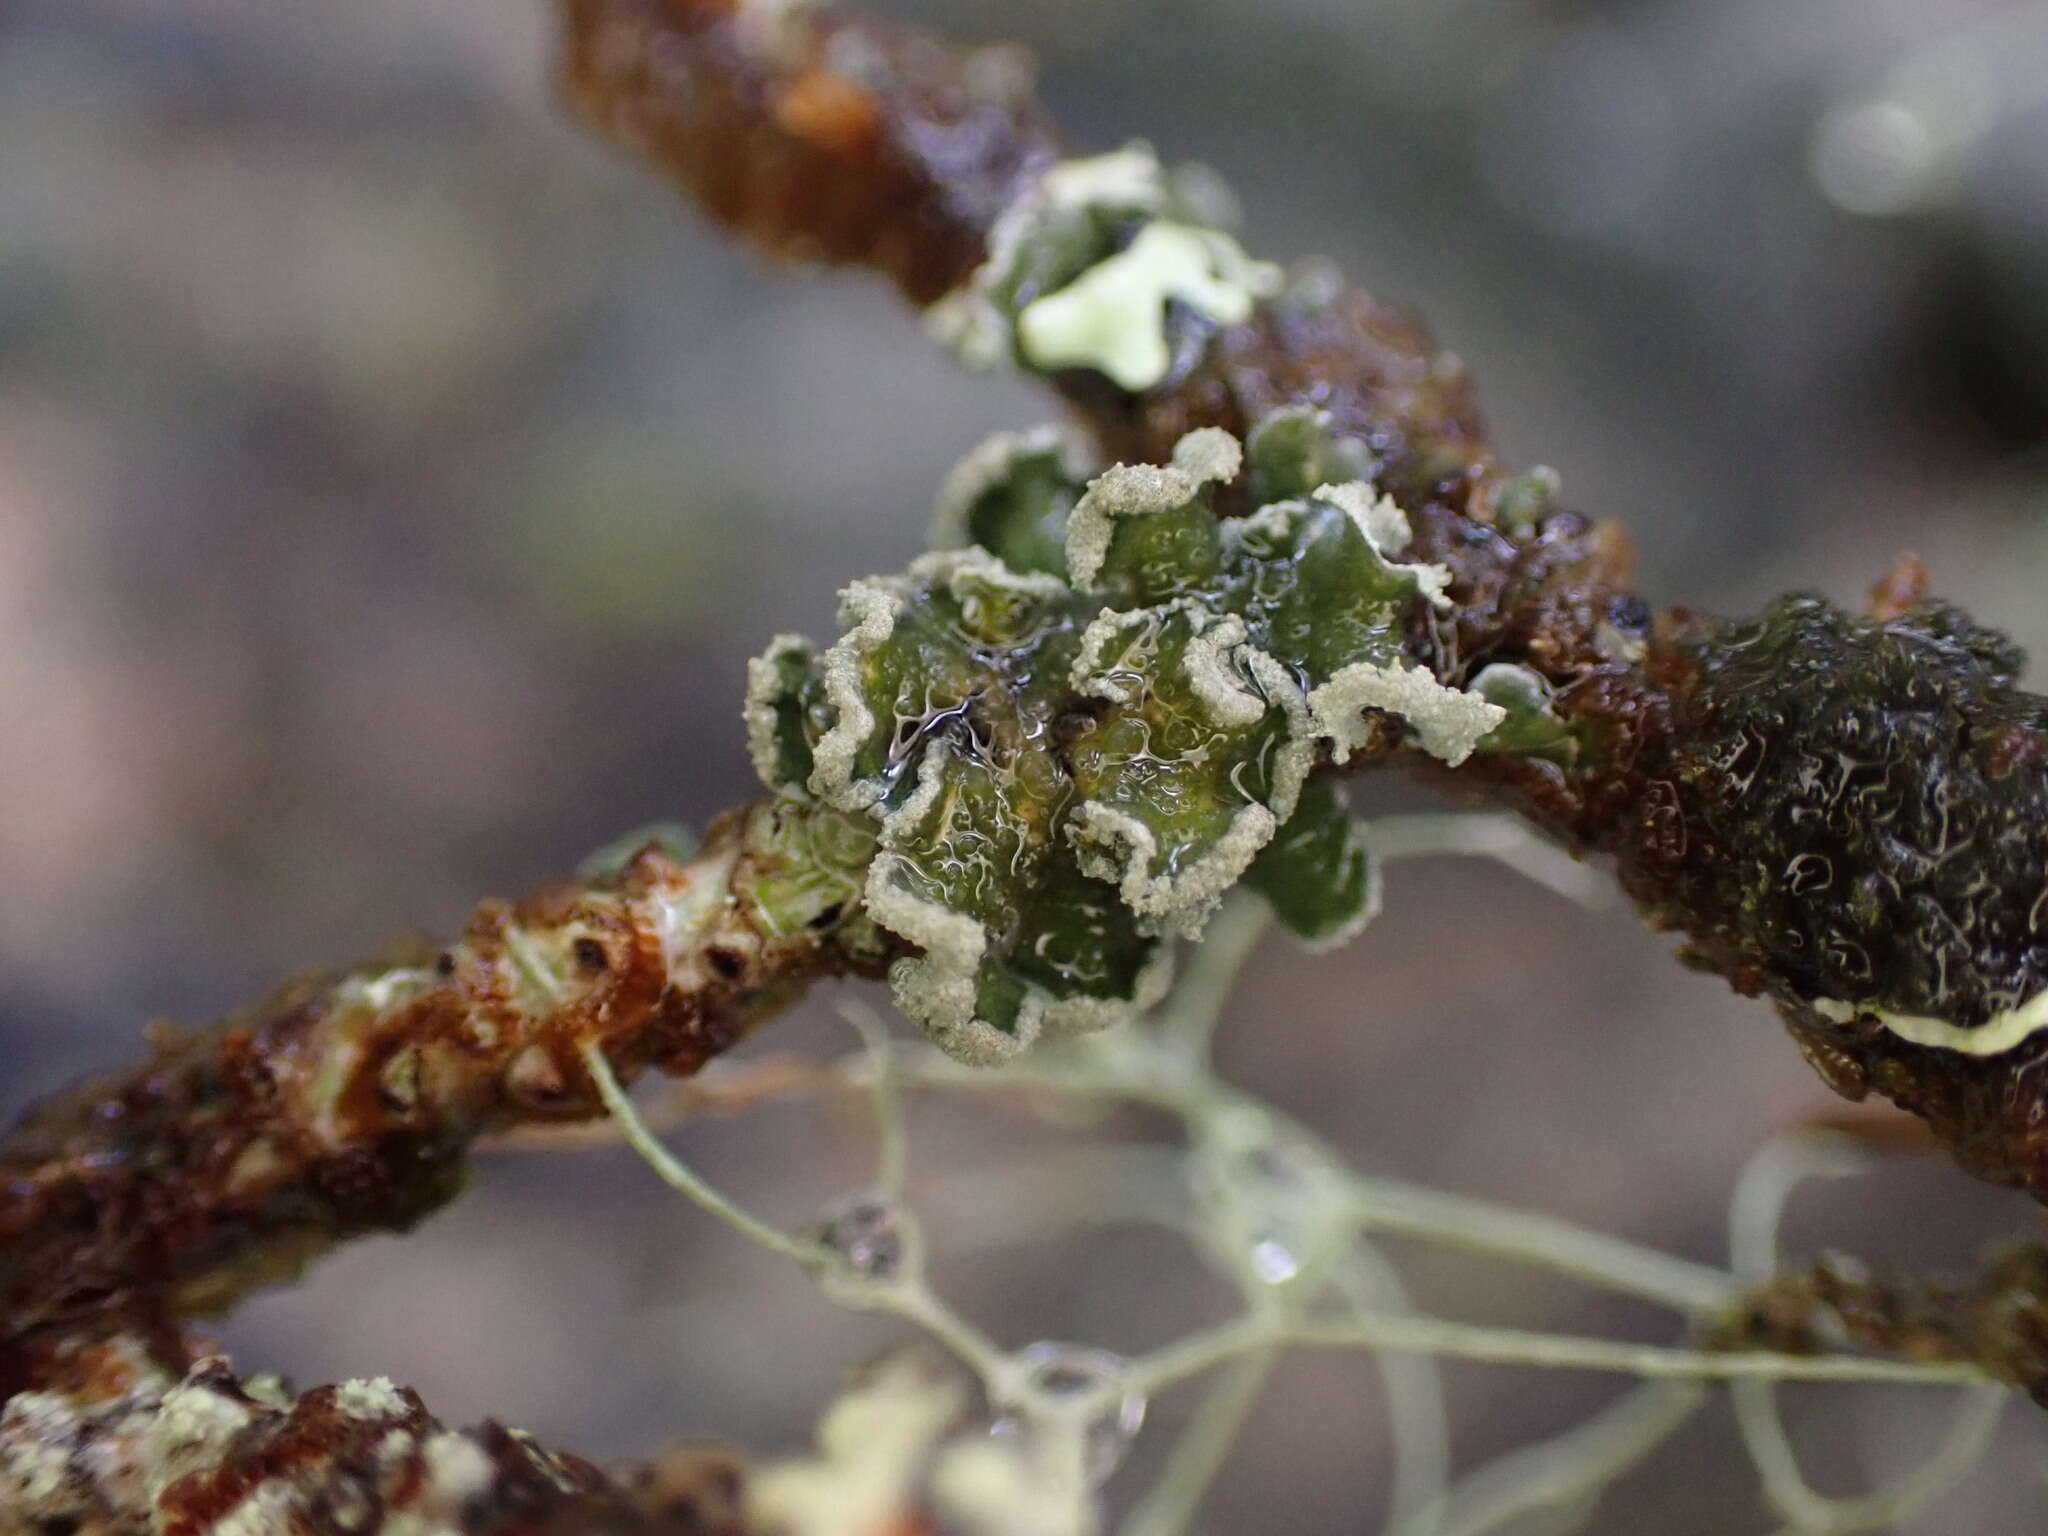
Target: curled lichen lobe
1077,727
1876,792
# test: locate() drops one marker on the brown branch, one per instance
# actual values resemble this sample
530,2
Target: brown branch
348,1104
115,1444
827,137
1997,1319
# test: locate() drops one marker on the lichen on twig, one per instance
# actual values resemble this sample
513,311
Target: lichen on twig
1846,813
1277,544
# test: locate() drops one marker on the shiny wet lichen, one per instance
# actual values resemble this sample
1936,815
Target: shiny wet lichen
1873,788
1072,731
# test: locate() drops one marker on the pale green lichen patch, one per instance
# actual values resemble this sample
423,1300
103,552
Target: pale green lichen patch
1066,740
1112,318
1095,267
1130,178
1532,726
1523,502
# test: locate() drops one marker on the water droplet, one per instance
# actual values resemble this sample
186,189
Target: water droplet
1273,1261
1274,1203
866,1231
1285,1168
1073,1388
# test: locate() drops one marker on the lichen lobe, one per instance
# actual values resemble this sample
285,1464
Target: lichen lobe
1076,729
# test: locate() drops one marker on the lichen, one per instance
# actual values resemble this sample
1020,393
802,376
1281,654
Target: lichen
2000,1033
1071,733
1112,318
1445,722
1297,448
1533,726
1175,545
774,690
1012,496
119,1446
1102,265
372,1397
1875,787
1318,875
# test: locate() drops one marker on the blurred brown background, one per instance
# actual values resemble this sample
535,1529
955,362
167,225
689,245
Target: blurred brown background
393,483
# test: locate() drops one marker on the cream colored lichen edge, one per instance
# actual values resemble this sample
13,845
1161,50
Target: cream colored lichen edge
1117,847
1385,526
764,690
937,988
867,612
1375,885
1448,723
1205,456
2001,1033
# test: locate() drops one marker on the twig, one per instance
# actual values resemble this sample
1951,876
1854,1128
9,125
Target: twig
349,1105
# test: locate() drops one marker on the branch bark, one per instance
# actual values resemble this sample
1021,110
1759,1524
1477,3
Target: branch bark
348,1104
116,1444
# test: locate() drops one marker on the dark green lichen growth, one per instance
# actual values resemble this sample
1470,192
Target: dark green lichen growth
1073,732
1295,451
1318,875
1012,495
1876,794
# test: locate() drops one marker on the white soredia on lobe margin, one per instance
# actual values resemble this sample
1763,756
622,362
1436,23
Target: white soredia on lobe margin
1063,776
1445,722
1205,457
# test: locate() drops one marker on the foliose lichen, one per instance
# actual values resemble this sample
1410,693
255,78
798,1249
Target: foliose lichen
1107,263
1071,732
